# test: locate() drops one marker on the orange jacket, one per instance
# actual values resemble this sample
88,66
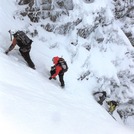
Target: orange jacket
57,67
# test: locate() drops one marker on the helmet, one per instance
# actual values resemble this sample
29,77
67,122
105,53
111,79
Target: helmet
55,59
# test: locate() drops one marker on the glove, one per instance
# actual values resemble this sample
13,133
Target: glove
6,52
50,78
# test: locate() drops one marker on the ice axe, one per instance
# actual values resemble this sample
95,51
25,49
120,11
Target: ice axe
10,35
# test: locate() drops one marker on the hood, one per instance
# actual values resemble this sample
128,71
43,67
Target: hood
55,59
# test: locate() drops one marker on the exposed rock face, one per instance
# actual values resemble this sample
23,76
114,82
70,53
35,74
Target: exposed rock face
23,2
88,1
43,9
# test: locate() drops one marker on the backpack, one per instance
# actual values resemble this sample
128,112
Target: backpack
63,64
21,36
114,103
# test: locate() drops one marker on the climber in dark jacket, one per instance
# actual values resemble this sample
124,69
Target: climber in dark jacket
24,50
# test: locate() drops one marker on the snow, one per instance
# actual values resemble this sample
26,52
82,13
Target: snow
32,104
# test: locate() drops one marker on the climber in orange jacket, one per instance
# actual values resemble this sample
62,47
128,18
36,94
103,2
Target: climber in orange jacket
57,69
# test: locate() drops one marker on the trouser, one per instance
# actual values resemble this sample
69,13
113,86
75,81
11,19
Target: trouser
61,75
102,98
27,58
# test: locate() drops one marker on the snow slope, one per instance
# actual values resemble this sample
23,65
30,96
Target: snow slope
32,104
